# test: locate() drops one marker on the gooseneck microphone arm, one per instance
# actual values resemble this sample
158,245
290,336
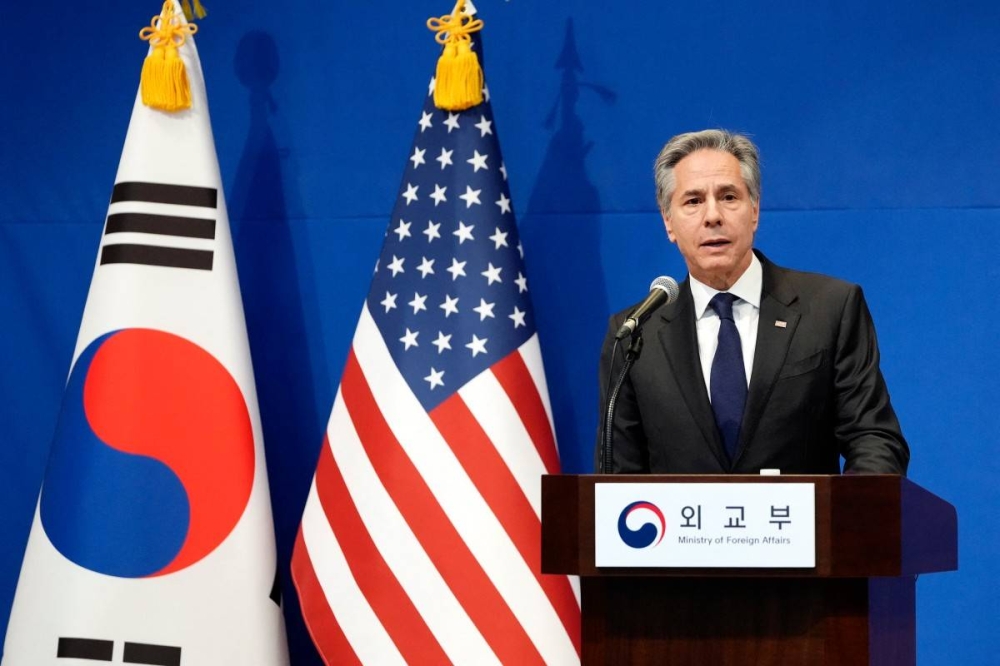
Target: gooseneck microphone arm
663,290
608,430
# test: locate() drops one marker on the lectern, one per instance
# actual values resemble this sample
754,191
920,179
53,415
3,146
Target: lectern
856,605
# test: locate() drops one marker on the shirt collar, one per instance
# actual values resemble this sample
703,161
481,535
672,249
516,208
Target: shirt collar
747,288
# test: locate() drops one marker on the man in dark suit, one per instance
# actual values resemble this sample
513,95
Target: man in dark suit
754,366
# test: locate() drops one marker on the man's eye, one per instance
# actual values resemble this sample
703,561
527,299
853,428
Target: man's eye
691,201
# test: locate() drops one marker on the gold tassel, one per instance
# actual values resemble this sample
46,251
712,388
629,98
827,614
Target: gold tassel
186,8
458,83
164,83
199,9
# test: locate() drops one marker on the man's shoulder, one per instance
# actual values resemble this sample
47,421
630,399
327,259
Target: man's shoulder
804,284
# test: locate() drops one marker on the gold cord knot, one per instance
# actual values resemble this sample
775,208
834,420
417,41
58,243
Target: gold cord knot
167,28
454,27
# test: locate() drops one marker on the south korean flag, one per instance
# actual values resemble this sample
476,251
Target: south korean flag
152,542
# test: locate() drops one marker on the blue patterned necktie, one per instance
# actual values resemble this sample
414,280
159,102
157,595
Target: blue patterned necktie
729,379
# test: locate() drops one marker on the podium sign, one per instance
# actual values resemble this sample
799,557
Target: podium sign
705,525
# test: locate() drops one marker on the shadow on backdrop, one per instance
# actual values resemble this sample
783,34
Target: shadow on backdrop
279,298
565,203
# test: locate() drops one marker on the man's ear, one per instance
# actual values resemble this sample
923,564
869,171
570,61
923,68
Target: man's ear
669,226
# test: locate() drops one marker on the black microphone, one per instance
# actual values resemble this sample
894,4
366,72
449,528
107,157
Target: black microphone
663,290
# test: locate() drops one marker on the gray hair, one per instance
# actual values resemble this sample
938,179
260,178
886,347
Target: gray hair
683,145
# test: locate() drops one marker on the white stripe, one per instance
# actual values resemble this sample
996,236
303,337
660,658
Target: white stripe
155,208
444,615
356,618
491,406
158,240
458,497
531,352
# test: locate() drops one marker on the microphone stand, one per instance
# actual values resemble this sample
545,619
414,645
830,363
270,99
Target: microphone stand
608,431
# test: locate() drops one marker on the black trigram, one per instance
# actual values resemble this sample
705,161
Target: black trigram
134,653
152,253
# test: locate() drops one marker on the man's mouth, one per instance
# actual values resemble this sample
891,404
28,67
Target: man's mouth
715,242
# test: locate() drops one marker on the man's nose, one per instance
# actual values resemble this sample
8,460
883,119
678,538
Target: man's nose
713,215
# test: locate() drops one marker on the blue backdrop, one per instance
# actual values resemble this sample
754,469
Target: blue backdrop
877,123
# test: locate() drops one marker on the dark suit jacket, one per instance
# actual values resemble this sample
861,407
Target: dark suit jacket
816,391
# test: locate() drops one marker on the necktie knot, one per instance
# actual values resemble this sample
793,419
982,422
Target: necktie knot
722,303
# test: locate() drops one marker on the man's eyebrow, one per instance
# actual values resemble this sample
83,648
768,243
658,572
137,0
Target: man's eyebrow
693,190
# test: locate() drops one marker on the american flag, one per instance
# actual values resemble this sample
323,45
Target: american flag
420,540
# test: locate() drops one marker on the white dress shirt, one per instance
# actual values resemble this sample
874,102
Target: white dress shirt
746,313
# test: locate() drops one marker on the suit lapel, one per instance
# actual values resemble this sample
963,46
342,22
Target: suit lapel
679,340
773,340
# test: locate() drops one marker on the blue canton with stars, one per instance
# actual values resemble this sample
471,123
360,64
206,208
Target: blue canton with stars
450,294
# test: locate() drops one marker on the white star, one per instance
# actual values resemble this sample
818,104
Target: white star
432,230
430,86
504,203
435,378
418,156
410,339
425,121
520,249
443,342
478,161
485,309
438,194
492,274
478,345
521,282
444,158
426,267
518,317
418,303
411,193
503,170
464,233
500,238
486,93
403,229
470,197
389,301
457,268
452,122
377,261
450,306
397,265
484,126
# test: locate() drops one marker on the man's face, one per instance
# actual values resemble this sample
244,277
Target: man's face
712,218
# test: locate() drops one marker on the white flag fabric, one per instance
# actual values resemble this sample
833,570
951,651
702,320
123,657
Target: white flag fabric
153,541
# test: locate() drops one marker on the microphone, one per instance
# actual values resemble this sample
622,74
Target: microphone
662,291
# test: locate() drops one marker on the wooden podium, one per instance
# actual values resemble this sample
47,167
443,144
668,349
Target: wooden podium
874,535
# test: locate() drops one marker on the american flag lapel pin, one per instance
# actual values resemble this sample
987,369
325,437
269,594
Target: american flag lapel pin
780,323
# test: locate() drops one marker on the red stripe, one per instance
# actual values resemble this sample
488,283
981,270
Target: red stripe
322,625
374,577
516,381
494,481
432,527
